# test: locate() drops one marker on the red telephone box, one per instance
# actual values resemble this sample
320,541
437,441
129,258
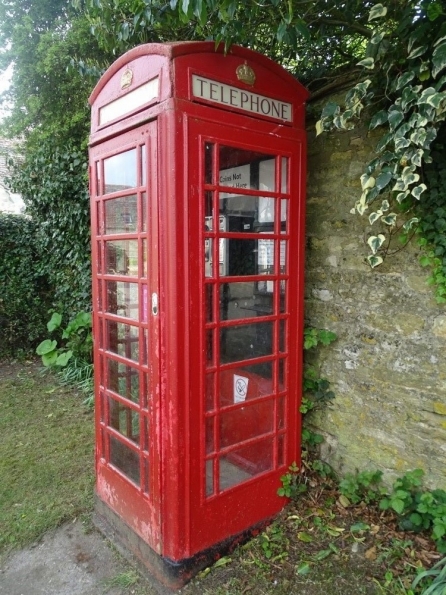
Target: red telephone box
197,166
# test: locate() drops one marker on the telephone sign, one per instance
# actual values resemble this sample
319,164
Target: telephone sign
197,169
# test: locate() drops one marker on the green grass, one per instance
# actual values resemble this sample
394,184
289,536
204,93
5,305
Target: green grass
46,455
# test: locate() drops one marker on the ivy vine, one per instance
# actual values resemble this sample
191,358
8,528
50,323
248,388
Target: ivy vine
400,186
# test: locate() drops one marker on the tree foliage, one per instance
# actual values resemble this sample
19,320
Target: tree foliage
46,98
391,56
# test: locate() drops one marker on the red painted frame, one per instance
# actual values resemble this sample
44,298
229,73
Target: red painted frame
178,521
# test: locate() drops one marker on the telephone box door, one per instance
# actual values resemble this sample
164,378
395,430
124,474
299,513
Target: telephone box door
125,273
250,226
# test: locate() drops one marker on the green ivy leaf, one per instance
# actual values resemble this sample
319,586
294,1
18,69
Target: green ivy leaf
367,63
417,52
378,119
383,179
403,79
374,261
438,59
434,10
377,12
389,219
375,242
418,190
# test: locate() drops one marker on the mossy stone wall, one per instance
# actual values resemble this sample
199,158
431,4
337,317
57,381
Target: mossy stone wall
388,366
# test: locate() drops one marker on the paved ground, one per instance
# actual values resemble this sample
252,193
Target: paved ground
68,561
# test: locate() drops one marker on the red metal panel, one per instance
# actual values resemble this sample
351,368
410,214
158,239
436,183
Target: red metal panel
187,428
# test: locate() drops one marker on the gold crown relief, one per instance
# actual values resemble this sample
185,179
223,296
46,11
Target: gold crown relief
246,74
126,78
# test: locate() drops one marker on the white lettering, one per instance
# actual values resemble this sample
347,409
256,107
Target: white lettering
223,94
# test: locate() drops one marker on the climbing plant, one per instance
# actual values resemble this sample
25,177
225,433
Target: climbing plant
399,188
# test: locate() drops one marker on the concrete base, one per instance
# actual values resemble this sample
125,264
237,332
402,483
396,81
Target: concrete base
165,575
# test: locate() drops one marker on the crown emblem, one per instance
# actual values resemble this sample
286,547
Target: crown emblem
246,74
126,78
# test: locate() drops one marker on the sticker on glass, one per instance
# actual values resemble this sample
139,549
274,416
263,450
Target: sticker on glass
240,388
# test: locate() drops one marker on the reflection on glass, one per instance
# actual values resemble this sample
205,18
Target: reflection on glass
208,163
283,213
99,221
122,299
244,300
123,380
208,257
144,211
123,339
246,214
245,462
237,257
210,435
246,341
282,336
210,392
267,175
143,165
284,182
124,459
98,178
124,420
246,383
120,171
210,348
240,168
121,257
246,422
208,306
121,215
99,257
209,478
281,413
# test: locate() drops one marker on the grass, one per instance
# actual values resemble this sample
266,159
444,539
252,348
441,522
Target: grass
46,455
316,545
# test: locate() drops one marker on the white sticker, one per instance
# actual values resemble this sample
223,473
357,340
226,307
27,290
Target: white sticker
240,388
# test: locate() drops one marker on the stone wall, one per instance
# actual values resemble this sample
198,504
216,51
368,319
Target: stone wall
387,367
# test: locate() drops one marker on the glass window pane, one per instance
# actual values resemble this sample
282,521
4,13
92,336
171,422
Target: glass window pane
246,341
246,214
210,392
144,211
121,257
210,435
245,383
238,257
143,165
209,478
281,451
208,163
123,339
123,380
120,171
209,302
246,462
246,422
124,459
244,300
124,420
281,413
240,168
284,182
122,299
208,257
121,215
